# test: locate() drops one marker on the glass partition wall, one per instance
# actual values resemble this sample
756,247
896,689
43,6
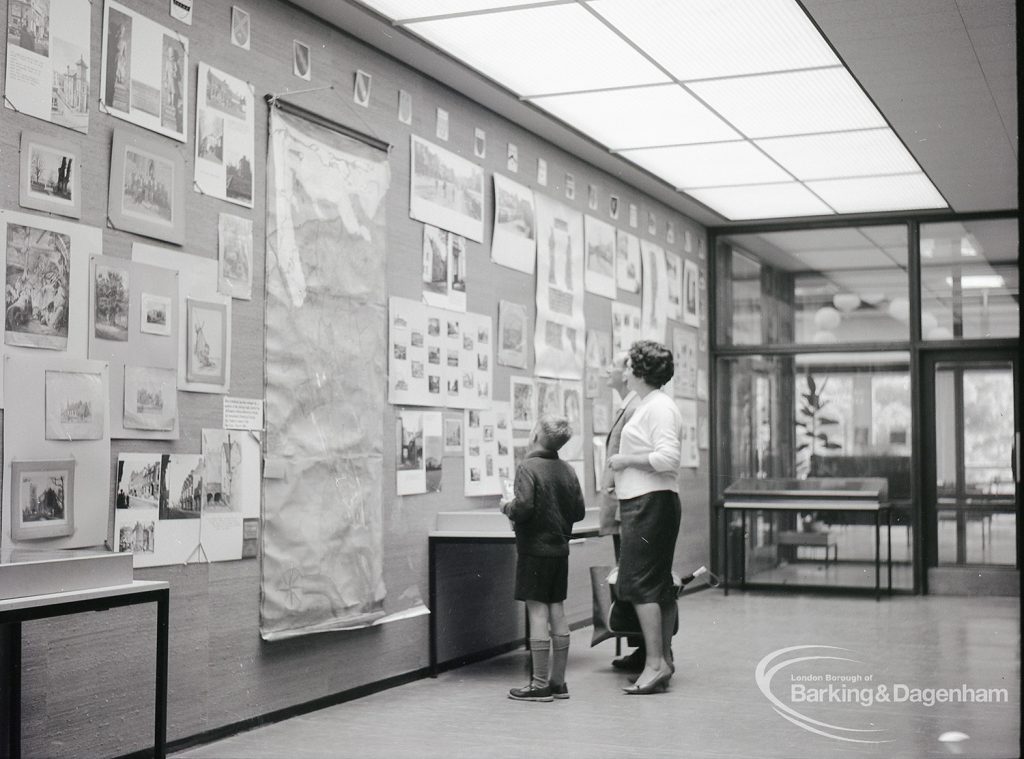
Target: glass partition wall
822,342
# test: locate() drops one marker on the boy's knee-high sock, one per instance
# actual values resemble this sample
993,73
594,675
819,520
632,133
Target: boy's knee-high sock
559,658
540,655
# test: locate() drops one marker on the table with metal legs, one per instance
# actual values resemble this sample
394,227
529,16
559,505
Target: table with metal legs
14,611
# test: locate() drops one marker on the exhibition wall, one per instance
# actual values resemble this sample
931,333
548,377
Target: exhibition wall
87,679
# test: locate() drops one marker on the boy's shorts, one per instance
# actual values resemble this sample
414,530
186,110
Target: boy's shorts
542,578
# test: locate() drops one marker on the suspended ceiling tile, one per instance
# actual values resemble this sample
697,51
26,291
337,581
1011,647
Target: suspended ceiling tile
841,154
766,201
407,9
802,102
639,117
698,39
720,163
878,194
840,238
542,50
851,258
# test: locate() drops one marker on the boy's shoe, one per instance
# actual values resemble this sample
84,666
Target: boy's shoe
559,691
529,693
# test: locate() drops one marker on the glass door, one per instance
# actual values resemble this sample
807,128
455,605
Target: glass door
971,471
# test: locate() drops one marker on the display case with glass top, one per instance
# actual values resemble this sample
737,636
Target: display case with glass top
789,532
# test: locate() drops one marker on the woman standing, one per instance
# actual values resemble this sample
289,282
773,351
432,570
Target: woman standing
646,468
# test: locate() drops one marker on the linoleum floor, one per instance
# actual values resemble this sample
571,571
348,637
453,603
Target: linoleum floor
716,706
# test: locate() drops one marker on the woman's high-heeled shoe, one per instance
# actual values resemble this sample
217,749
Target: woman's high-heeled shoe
658,684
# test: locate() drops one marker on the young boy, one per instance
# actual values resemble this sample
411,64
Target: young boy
547,501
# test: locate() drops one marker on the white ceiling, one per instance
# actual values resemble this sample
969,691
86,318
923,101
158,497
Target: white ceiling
942,72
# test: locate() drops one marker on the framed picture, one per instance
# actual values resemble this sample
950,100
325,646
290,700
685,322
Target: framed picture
50,175
42,499
110,296
691,296
150,398
147,187
144,73
206,342
38,284
155,314
234,256
446,190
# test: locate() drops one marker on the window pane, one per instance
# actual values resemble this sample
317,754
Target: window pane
969,280
842,415
843,285
988,431
817,415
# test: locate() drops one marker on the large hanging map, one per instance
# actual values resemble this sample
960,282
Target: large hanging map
326,374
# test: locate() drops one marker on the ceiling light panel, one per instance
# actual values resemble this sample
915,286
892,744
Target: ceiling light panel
698,39
396,10
639,117
537,51
766,201
879,194
841,154
800,102
722,163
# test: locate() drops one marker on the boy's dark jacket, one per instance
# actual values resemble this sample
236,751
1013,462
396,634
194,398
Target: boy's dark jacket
548,501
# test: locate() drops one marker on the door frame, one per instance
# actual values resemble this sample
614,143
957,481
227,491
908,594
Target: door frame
927,544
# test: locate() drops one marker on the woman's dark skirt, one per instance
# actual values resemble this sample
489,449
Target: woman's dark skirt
650,526
542,578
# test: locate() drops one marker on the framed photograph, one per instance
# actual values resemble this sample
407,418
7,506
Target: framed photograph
241,28
479,143
206,342
512,158
570,186
301,65
155,314
446,190
75,405
147,187
50,175
144,75
42,499
542,172
453,436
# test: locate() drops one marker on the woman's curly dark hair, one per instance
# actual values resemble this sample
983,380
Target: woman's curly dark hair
651,362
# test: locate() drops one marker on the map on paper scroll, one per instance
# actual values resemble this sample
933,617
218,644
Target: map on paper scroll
326,376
